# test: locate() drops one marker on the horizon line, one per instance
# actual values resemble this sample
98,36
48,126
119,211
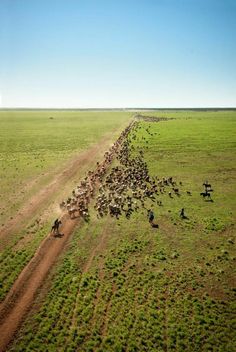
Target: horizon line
121,108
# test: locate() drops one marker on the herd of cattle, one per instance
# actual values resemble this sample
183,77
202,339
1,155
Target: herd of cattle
77,204
128,185
123,188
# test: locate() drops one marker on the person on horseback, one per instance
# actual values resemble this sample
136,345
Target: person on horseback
182,214
55,227
150,216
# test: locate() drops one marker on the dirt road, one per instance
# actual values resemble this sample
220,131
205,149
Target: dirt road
21,295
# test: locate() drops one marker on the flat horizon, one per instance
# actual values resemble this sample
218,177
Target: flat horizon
121,108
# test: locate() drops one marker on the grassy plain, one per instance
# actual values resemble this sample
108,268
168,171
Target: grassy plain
34,147
124,286
35,144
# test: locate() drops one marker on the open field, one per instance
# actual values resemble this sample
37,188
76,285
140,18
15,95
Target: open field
120,284
66,147
35,145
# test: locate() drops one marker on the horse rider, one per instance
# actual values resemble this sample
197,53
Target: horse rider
56,225
182,215
150,216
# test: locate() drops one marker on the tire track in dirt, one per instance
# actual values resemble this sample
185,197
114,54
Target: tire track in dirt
106,313
97,249
36,202
100,247
24,290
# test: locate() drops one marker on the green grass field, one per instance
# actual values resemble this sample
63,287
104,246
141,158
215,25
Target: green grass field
34,145
124,286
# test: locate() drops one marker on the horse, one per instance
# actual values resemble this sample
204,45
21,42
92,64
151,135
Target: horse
205,194
55,227
206,184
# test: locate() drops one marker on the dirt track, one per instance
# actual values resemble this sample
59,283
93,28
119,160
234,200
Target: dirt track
21,295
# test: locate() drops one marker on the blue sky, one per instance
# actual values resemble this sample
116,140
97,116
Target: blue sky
118,53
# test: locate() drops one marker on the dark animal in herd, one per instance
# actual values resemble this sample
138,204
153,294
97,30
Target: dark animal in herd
207,192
